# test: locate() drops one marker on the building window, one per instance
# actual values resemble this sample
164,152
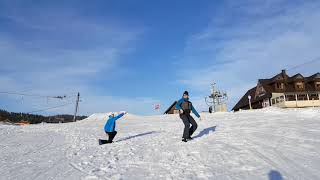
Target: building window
302,97
313,96
279,85
265,103
290,97
317,84
299,85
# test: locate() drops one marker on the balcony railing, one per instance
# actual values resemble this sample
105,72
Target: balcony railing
292,100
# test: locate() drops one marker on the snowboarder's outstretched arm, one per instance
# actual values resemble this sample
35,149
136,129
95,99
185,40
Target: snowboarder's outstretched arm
119,116
195,111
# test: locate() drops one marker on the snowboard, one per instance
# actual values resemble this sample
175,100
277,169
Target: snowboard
103,141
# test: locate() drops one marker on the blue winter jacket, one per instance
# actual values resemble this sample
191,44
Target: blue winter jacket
182,100
111,123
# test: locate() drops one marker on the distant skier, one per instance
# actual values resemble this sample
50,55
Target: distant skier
110,127
185,107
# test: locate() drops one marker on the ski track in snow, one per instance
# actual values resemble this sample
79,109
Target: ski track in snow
243,145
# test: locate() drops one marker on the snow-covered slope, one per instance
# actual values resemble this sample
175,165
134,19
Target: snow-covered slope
261,144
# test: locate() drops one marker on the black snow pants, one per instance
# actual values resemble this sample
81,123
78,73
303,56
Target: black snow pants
111,135
187,120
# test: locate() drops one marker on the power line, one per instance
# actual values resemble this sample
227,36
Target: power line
34,95
47,97
49,108
21,94
308,62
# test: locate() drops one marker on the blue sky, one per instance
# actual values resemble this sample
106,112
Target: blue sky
129,55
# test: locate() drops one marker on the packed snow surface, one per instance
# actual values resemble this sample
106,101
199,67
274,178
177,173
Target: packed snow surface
260,144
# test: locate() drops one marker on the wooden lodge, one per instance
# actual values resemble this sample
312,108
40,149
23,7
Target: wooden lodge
283,91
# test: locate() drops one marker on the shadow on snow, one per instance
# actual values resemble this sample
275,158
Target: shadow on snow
275,175
205,131
138,135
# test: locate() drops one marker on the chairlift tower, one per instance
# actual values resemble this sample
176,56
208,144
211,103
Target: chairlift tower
217,100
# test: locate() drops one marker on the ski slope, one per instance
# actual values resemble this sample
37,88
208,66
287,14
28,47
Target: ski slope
260,144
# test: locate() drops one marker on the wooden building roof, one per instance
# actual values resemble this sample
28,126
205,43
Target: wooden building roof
268,86
171,108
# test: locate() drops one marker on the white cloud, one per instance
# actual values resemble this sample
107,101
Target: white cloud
62,53
139,105
260,45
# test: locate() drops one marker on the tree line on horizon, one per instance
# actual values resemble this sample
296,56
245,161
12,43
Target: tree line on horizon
12,117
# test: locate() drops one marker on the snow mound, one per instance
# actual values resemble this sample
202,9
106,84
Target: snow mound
257,144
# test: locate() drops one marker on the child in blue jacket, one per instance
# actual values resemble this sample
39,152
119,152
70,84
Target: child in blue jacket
110,127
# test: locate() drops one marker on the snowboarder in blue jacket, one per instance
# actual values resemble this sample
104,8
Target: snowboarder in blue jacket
185,107
110,126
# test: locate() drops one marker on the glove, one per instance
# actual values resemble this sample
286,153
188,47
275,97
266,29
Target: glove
124,112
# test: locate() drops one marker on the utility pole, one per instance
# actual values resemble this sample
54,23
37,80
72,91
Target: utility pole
217,100
77,107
